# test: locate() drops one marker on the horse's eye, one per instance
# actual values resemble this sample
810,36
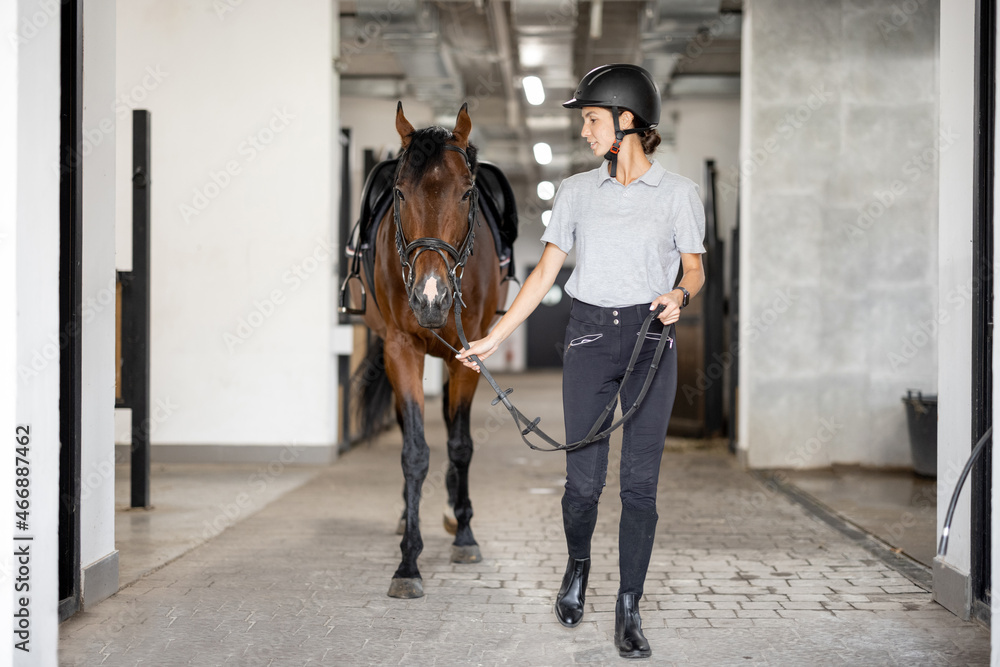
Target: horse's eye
466,196
399,193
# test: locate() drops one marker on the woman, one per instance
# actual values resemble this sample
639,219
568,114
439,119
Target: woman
633,225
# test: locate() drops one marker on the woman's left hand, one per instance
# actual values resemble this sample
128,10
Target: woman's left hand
671,302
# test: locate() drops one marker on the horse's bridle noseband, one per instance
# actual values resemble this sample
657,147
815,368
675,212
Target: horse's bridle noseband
459,256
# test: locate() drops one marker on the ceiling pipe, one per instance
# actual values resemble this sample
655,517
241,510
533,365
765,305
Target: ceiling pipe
501,36
596,18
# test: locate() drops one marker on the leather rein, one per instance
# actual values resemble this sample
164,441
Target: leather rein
455,270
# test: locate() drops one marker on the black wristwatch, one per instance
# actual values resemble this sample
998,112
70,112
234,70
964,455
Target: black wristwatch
687,296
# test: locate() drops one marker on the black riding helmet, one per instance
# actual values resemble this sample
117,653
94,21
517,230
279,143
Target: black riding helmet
618,87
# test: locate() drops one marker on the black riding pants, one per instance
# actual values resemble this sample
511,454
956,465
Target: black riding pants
599,342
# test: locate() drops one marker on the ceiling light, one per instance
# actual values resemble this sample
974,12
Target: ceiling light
533,90
546,216
561,122
546,190
543,153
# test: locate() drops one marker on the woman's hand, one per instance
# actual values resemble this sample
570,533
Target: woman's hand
482,348
671,302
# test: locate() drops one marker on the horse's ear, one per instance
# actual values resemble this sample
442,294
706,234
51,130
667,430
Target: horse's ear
463,125
403,126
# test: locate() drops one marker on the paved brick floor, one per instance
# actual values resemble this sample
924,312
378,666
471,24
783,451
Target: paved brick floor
739,575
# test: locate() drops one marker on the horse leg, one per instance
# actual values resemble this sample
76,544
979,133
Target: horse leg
461,387
451,478
406,370
401,526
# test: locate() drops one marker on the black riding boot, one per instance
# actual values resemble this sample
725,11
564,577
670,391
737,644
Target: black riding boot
635,545
572,593
579,527
629,640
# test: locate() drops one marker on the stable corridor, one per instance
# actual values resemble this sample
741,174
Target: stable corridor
740,575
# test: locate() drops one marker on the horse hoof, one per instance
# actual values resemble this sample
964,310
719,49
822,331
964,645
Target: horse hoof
450,524
406,588
401,527
466,554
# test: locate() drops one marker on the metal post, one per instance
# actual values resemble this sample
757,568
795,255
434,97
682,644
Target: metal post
135,297
713,309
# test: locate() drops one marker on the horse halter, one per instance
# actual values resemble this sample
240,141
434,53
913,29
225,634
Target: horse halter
459,256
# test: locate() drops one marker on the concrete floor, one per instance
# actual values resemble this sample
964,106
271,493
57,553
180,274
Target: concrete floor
739,575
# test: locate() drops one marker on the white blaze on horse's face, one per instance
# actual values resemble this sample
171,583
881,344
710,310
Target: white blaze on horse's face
431,289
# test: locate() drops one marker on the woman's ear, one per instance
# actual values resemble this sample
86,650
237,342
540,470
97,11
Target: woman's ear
625,120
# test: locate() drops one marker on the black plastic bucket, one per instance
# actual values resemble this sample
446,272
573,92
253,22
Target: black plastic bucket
921,420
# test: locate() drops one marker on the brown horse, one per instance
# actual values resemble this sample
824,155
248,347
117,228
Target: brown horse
423,255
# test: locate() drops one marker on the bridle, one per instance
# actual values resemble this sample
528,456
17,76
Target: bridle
410,252
456,268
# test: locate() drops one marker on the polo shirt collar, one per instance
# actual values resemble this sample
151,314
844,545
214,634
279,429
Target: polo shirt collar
652,176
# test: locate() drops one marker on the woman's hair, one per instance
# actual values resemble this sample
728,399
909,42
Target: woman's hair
649,139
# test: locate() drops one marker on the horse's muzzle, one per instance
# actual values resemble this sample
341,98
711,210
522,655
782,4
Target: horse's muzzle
430,301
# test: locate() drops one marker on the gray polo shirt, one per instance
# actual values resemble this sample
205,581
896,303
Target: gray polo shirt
628,239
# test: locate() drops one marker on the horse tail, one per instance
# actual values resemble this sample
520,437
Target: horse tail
373,390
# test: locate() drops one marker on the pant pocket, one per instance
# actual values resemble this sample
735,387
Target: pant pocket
656,337
585,339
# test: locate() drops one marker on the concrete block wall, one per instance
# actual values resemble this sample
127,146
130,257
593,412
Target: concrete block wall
839,173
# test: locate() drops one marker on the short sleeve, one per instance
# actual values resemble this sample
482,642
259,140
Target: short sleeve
689,230
561,230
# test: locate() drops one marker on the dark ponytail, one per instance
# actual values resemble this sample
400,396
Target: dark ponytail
649,139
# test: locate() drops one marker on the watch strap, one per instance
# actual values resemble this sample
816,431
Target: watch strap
687,296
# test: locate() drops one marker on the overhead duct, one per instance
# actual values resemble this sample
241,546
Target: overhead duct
545,31
670,28
410,31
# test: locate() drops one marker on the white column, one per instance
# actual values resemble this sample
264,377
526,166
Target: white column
957,101
98,557
36,43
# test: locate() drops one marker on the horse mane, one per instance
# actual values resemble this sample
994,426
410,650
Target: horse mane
426,148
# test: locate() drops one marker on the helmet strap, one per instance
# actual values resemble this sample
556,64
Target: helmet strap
612,154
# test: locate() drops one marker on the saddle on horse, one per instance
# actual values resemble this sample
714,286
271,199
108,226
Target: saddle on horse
496,205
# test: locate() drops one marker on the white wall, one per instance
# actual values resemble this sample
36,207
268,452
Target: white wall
37,316
955,274
97,448
241,99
